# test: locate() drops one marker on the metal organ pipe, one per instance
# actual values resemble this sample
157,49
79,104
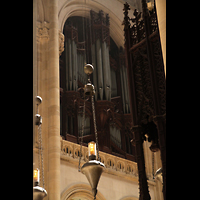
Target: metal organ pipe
109,71
122,85
99,68
126,91
125,95
106,72
73,65
95,77
69,64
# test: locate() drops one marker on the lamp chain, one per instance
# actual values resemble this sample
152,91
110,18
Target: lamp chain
82,131
40,152
95,126
39,149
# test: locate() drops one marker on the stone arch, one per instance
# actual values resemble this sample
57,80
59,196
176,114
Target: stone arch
74,8
129,198
81,190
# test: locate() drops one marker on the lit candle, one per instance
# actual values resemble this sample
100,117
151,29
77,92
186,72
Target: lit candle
36,175
92,148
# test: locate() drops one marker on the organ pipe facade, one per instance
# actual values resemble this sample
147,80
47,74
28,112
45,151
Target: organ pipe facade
87,40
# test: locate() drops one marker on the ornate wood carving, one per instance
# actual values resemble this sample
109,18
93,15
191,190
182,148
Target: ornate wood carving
100,27
146,85
71,32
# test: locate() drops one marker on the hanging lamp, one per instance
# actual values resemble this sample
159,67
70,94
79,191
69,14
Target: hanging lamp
39,192
93,168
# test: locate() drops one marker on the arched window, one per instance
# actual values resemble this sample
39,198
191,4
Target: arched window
87,40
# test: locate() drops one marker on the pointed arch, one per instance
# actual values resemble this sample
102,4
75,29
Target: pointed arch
80,190
75,8
129,198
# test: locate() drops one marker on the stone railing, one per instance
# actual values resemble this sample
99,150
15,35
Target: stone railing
114,165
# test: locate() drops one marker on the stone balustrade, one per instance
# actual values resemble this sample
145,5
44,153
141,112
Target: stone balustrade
114,165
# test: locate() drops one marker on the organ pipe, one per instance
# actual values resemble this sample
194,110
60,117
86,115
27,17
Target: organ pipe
95,77
106,72
99,68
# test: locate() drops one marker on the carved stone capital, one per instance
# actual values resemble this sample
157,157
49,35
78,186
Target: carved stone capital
42,32
42,35
61,42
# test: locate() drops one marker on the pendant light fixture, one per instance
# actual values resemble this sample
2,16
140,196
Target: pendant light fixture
39,192
93,168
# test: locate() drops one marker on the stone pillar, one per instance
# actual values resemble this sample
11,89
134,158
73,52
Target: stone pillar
34,72
53,104
161,15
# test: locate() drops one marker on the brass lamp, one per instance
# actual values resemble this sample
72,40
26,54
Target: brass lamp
93,168
89,88
38,192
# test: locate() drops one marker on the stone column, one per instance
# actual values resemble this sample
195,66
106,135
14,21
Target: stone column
161,15
53,104
34,72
